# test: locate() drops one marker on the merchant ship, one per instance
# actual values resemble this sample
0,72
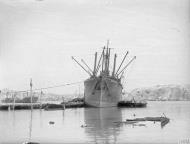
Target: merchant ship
103,88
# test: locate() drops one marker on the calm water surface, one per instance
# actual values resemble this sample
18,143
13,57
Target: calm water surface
20,126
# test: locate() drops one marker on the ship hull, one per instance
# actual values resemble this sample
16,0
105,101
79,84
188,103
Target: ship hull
102,92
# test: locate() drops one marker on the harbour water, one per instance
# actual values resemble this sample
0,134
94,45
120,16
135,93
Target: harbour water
96,125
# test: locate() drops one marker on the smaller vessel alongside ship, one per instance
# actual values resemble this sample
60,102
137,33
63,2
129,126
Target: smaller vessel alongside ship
103,88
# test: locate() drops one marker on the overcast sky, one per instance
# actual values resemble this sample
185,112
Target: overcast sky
38,38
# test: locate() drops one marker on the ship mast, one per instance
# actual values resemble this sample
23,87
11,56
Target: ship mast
109,58
106,59
103,59
104,64
31,99
114,65
95,61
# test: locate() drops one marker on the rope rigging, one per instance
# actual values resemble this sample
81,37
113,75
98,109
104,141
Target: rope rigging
55,86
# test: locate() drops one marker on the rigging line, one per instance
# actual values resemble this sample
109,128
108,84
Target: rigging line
53,86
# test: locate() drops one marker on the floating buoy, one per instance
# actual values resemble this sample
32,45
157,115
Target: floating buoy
30,143
83,126
51,122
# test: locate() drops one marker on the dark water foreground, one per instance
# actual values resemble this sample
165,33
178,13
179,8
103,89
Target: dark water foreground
96,125
70,104
46,106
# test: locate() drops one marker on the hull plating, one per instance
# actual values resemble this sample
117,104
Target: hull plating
102,92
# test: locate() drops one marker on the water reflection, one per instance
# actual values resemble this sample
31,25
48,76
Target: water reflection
100,124
13,118
30,125
15,125
41,116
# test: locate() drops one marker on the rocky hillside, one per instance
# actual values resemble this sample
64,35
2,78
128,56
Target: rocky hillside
156,93
8,95
161,93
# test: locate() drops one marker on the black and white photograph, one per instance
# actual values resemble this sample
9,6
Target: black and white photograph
95,71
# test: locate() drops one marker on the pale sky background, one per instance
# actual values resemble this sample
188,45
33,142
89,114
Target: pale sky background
38,38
